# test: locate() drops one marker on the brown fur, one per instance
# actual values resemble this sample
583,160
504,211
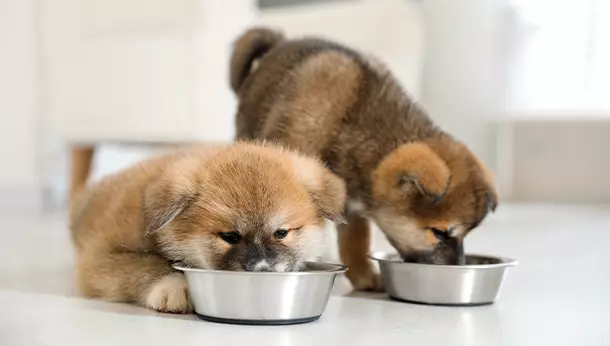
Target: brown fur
354,240
131,226
403,171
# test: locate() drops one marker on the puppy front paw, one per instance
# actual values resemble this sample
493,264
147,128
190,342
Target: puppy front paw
365,279
170,294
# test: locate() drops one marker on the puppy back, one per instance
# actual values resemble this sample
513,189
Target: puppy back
250,46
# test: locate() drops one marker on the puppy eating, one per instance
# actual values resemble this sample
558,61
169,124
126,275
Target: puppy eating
245,207
424,189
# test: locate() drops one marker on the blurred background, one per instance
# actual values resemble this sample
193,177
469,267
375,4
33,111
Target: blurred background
525,83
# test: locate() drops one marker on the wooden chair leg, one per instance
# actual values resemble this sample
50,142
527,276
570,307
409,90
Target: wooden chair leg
81,161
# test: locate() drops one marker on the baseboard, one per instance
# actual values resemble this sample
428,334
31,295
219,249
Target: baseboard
20,200
554,159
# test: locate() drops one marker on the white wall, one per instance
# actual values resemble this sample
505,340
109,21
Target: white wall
19,181
463,69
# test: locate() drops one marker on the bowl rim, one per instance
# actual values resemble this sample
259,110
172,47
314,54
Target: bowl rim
504,261
334,270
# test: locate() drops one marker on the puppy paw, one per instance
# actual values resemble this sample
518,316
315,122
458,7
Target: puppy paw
170,294
365,280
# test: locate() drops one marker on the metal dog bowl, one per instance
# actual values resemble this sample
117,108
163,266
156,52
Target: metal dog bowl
267,298
476,283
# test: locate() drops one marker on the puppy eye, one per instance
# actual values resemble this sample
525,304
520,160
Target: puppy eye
231,237
441,234
280,233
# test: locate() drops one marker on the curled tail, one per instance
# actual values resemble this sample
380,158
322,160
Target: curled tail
252,45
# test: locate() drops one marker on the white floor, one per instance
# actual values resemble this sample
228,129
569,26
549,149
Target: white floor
558,295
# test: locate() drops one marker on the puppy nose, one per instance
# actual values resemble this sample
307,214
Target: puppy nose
449,252
454,253
458,249
257,266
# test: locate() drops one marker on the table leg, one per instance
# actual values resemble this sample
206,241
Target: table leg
81,161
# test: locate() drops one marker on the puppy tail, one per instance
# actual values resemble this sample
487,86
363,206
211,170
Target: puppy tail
249,47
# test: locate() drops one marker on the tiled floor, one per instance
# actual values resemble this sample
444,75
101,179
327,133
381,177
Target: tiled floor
558,295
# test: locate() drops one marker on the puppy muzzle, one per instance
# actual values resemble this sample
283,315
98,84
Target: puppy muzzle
448,252
257,265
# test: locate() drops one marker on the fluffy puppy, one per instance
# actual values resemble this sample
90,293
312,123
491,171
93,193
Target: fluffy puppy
241,207
424,189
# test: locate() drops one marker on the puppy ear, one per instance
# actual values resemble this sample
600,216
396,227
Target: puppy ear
325,188
491,194
413,168
163,201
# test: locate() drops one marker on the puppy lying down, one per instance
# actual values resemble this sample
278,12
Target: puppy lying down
252,207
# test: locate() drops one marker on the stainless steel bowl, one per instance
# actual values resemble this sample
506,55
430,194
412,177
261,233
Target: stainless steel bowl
261,297
476,283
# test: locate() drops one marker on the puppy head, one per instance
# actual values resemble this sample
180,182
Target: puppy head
247,207
427,196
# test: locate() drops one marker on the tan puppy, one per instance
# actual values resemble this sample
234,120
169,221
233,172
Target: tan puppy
242,207
424,189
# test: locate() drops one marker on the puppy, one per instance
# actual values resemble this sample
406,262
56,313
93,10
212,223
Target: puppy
424,189
243,207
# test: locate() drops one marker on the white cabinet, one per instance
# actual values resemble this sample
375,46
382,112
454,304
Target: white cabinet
140,70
